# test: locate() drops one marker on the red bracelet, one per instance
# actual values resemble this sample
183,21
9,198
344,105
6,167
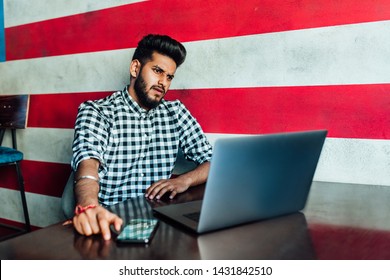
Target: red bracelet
80,209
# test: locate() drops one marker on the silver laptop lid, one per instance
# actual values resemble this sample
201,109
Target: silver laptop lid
258,177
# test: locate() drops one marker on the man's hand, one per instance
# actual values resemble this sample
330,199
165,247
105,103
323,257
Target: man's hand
179,184
173,186
97,220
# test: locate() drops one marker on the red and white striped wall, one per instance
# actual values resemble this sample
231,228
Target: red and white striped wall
255,66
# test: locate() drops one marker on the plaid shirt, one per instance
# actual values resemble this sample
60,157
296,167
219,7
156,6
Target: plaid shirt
135,147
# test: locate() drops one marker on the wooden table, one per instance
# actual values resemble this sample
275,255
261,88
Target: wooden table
340,221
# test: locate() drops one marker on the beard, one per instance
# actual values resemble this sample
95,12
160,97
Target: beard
142,94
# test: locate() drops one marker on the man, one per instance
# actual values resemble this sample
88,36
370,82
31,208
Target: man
126,144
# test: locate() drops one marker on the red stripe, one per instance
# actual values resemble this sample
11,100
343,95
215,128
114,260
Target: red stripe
58,110
333,242
185,20
40,177
347,111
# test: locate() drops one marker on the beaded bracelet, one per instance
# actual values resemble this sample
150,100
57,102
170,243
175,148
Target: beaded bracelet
80,209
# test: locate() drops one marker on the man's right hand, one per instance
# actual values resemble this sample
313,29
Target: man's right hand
97,221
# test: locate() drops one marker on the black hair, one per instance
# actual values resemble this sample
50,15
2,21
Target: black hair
161,44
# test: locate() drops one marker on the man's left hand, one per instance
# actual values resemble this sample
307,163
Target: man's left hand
173,186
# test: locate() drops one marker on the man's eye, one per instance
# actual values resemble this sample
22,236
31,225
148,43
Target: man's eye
158,70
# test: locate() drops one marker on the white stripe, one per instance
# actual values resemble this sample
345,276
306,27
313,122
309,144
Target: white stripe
43,210
349,54
19,12
359,161
87,72
356,161
44,144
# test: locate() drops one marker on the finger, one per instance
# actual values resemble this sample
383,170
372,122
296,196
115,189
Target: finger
152,187
77,226
67,222
162,191
153,190
118,223
173,194
104,227
159,191
84,225
93,222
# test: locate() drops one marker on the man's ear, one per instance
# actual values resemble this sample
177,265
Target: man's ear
135,67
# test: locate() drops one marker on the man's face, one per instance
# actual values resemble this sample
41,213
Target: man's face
154,80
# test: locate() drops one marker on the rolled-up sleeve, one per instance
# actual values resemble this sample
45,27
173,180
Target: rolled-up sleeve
90,136
193,141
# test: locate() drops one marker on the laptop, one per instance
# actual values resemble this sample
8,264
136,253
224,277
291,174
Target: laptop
252,178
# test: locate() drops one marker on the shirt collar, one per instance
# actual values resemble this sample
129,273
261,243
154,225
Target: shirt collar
134,107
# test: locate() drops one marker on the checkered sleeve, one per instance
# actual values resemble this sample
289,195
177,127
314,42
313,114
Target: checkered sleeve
91,134
193,141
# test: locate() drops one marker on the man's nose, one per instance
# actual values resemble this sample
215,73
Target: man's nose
164,81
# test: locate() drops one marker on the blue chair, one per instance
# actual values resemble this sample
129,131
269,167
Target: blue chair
13,116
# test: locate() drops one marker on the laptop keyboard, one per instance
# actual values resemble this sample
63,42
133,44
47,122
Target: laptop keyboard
193,216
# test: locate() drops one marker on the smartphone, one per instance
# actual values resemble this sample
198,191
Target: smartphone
138,231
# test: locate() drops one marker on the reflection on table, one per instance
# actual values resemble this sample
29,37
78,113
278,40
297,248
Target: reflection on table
340,221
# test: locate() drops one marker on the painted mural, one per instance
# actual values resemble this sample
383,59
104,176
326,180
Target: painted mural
253,67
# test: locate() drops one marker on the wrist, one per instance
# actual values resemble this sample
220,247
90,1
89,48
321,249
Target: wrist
81,209
86,177
188,181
